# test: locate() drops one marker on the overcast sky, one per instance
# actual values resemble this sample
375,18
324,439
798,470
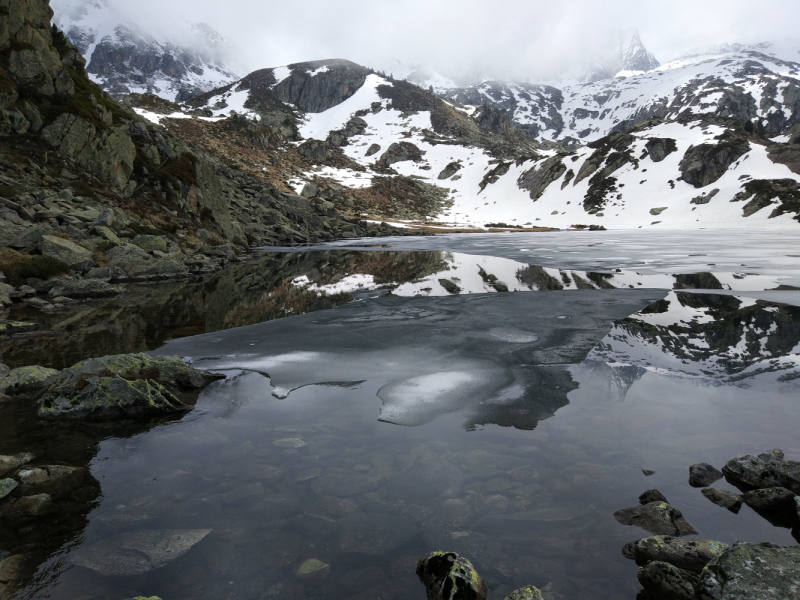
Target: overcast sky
510,36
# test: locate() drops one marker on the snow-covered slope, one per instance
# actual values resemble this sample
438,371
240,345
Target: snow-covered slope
124,59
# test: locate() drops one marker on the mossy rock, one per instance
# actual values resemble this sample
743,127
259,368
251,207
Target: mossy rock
447,575
148,243
107,399
27,381
67,252
529,592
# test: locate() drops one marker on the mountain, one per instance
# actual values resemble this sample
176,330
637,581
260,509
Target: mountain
124,59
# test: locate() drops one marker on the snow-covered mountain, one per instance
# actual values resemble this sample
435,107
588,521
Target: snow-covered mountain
124,59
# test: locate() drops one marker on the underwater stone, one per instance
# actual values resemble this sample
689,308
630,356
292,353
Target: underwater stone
529,592
659,518
703,475
724,498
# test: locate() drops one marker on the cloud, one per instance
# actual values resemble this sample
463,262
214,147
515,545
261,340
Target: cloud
513,38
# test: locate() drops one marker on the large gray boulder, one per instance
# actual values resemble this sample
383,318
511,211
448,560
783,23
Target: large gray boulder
691,555
27,381
664,581
766,470
753,572
659,518
67,252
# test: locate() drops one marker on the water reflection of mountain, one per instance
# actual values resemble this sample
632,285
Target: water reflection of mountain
720,339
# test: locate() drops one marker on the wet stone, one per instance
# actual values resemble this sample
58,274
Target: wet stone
53,480
138,552
448,576
724,498
703,475
766,470
6,487
770,499
691,555
663,580
753,572
9,463
22,510
651,496
527,593
658,518
374,533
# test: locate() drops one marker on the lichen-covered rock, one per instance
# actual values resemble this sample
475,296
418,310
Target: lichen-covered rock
652,496
53,480
448,576
691,555
529,592
148,243
27,381
752,572
724,498
85,288
766,470
169,371
703,475
659,518
106,399
67,252
9,463
664,581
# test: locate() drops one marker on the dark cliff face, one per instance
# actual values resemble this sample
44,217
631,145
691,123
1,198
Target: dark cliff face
317,86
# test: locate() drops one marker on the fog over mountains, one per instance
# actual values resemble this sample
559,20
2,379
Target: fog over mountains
609,135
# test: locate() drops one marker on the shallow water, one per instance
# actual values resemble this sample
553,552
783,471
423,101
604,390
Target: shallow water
506,427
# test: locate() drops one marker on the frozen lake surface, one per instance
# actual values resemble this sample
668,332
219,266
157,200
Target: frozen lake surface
438,411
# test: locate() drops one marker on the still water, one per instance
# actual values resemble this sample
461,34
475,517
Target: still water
346,443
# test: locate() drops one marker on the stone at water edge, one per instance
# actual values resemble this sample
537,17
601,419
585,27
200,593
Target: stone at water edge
724,498
27,381
664,580
752,572
691,555
770,499
529,592
652,496
6,487
703,475
9,463
766,470
448,576
53,480
658,518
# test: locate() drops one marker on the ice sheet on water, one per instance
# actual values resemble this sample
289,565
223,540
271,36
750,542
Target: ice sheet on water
428,356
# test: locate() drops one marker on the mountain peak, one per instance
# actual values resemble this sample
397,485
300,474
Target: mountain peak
635,57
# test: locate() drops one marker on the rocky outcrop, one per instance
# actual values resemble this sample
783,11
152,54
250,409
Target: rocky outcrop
659,518
691,555
659,148
399,152
536,179
752,571
767,470
704,164
703,475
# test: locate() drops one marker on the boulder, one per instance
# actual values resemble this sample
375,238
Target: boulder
724,498
766,470
9,463
663,581
313,569
659,518
450,170
18,511
448,576
169,371
27,381
752,572
704,164
770,499
659,148
703,475
651,496
149,243
53,480
107,399
373,149
67,252
529,592
399,152
85,288
691,555
138,552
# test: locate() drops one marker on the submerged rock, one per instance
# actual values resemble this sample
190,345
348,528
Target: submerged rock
752,572
659,518
138,552
374,533
426,480
703,475
18,511
448,576
665,581
108,398
529,592
724,498
766,470
691,555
